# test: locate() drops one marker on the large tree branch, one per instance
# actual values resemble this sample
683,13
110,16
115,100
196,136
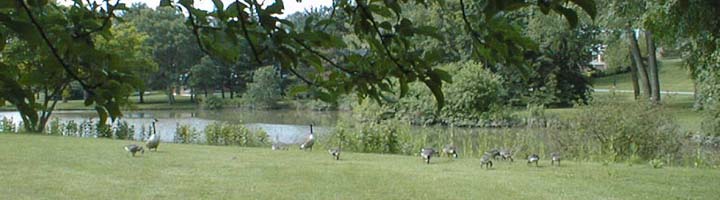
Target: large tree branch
54,50
370,17
475,34
196,32
323,57
246,34
300,76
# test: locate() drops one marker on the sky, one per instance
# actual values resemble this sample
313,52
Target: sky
291,6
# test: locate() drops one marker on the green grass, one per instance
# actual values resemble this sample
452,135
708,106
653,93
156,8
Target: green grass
50,167
673,77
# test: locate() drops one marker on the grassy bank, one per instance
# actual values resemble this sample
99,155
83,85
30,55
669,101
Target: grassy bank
673,77
36,167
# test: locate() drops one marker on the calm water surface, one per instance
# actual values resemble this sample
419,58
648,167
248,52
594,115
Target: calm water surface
289,126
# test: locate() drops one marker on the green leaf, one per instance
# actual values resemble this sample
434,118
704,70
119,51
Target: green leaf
7,4
37,3
435,87
443,75
297,89
2,41
218,5
165,3
570,15
403,87
276,8
381,10
588,6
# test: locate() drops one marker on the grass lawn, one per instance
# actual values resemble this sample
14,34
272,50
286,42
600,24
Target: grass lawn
673,77
51,167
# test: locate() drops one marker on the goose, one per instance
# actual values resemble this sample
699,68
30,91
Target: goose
134,148
427,153
277,145
450,150
506,154
154,140
309,142
533,158
485,160
555,157
494,153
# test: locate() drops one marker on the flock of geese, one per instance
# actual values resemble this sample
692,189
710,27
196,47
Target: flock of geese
426,153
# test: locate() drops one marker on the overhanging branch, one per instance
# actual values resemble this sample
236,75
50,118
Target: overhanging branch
53,49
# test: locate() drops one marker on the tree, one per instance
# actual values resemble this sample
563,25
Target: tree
558,76
172,44
380,27
131,44
631,16
64,40
204,75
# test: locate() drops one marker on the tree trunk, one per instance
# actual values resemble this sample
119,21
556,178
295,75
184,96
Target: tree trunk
232,92
222,91
192,95
141,94
637,58
205,90
634,78
652,69
171,95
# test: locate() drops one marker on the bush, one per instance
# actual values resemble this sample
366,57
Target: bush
264,91
7,125
621,131
123,130
213,103
54,128
186,134
234,134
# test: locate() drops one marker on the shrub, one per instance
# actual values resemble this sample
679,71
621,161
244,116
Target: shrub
55,127
475,96
7,125
124,131
625,131
234,134
71,128
213,103
186,134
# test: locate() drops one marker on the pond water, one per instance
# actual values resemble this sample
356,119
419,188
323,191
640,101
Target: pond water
289,126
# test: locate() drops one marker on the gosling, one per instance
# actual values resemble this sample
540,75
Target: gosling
427,153
555,158
335,152
486,161
533,158
450,150
134,148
